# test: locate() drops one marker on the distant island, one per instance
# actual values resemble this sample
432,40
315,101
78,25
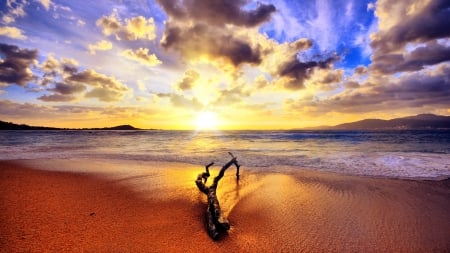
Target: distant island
121,127
11,126
418,122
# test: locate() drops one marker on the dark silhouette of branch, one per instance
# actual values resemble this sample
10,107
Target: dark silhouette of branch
215,219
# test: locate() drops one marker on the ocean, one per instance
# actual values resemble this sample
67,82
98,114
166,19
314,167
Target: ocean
396,154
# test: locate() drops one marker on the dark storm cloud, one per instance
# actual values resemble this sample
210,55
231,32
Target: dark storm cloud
297,71
430,54
418,87
201,39
218,12
432,23
15,64
67,89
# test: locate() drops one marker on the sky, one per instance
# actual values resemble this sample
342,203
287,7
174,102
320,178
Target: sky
221,64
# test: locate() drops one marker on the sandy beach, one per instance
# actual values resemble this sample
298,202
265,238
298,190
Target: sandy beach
104,206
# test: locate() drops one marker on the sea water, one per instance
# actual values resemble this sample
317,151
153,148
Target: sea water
398,154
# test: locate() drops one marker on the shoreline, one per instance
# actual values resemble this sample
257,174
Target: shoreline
47,164
100,205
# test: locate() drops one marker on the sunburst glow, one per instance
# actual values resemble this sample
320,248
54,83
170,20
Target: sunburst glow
206,120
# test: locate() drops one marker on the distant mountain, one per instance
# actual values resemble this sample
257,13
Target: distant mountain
421,121
121,127
11,126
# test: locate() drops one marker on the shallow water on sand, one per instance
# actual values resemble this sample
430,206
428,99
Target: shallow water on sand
398,154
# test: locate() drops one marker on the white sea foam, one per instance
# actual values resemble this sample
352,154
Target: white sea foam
403,165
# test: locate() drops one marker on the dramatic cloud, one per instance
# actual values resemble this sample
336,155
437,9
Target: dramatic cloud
142,55
60,91
406,24
64,80
214,30
203,41
68,89
410,21
54,69
218,12
12,32
325,79
136,28
102,45
430,53
292,71
409,69
295,72
221,32
415,90
106,88
16,63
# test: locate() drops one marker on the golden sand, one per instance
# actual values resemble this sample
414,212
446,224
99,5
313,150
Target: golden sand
102,209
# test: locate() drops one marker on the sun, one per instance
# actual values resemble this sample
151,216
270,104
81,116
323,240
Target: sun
206,120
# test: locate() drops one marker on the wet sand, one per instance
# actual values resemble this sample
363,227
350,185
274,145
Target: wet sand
109,206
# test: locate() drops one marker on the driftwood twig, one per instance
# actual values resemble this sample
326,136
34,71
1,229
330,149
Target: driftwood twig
215,219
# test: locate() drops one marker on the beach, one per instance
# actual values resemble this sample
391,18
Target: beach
100,205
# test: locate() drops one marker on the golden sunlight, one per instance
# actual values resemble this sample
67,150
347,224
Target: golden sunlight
206,120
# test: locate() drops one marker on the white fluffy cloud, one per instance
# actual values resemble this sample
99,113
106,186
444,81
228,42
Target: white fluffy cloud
102,45
135,28
142,56
12,32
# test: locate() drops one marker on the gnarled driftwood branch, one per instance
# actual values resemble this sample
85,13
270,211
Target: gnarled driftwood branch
215,219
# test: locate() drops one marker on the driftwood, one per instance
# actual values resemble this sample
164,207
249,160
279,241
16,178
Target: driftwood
215,219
